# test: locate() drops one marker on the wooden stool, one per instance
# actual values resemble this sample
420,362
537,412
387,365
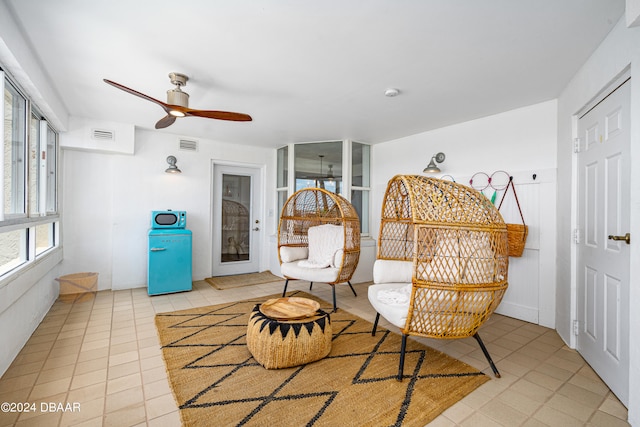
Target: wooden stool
277,343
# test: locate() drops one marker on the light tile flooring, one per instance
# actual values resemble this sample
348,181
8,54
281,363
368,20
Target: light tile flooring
102,353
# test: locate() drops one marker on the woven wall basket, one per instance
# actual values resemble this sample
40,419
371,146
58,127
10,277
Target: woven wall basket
516,233
516,238
277,344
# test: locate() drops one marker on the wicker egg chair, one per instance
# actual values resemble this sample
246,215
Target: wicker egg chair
318,214
445,246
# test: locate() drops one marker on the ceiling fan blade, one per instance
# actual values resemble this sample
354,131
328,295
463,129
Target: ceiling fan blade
136,93
174,111
166,121
220,115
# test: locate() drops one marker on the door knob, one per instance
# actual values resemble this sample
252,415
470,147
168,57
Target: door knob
626,238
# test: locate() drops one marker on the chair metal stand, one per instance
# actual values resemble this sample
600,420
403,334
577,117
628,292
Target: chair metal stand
286,283
375,325
402,350
486,354
352,290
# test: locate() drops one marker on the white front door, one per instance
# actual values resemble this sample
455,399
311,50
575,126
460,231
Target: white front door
236,220
603,263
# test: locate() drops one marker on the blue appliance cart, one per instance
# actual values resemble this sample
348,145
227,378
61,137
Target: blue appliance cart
169,266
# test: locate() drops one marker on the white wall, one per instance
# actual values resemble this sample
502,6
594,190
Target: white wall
26,297
521,142
107,201
24,301
619,50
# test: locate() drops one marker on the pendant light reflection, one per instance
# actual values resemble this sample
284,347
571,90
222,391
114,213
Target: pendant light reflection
330,176
172,165
432,167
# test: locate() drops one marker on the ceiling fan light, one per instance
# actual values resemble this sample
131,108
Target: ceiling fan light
176,113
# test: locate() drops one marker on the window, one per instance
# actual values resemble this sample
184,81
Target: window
34,163
12,250
282,181
342,167
45,237
28,175
15,135
319,164
360,184
51,181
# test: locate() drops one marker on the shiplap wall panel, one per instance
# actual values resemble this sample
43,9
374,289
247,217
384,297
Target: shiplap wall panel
526,288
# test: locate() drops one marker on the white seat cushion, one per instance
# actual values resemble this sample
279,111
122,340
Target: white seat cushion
396,314
293,270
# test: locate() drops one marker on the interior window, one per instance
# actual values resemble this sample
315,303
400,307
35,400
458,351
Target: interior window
319,164
34,159
15,133
322,164
282,181
360,182
28,181
51,181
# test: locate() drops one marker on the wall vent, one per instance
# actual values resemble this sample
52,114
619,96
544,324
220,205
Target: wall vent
187,145
103,135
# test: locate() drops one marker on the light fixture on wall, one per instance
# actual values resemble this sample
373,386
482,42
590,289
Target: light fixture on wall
172,165
432,167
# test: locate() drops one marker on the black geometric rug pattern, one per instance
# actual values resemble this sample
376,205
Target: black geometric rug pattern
215,378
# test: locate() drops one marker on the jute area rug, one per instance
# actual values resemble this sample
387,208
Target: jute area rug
239,280
216,381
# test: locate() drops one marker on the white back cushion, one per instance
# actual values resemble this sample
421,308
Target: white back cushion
324,241
392,271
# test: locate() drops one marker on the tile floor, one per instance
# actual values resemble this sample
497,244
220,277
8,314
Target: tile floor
102,353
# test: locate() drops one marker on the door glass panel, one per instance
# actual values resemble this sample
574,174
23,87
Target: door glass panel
236,226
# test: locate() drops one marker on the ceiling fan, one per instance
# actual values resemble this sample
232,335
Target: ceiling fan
177,104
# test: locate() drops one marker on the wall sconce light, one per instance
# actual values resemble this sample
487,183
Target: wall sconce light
432,167
172,165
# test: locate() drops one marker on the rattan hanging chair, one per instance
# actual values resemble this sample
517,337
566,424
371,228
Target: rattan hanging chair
331,224
449,243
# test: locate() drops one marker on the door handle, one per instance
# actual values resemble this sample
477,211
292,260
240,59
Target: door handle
158,249
626,238
256,229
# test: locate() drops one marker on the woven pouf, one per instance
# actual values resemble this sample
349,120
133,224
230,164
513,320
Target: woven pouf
279,344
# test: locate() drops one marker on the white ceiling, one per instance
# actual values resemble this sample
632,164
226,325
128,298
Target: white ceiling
310,70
